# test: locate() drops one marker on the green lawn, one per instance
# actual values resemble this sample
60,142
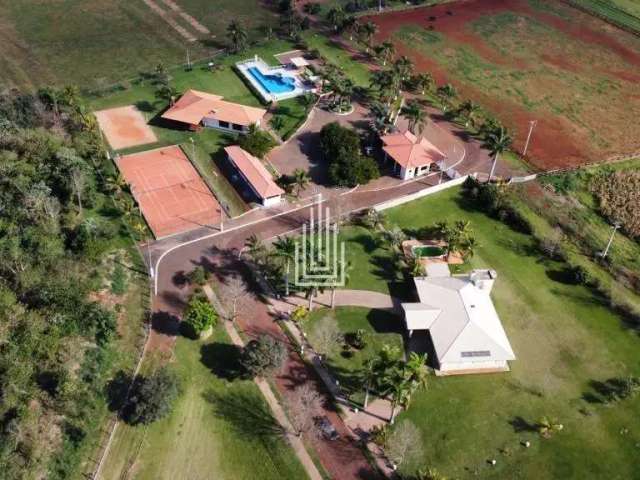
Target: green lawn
335,54
564,336
381,327
219,427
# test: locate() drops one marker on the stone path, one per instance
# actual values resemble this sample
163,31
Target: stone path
276,408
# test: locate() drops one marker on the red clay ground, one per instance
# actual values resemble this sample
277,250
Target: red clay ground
125,127
559,141
172,196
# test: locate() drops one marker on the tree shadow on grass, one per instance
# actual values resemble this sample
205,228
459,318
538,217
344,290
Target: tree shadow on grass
369,243
246,412
520,425
385,321
223,359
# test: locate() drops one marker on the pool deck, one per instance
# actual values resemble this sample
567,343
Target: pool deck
300,89
408,247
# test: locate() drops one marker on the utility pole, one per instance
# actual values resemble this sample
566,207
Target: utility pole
532,124
193,149
606,250
188,60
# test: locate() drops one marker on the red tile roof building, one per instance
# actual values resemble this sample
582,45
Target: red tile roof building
256,175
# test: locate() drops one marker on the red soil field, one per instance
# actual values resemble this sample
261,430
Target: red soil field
557,144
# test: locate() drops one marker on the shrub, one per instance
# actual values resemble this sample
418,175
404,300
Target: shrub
199,317
263,356
118,280
357,339
152,398
257,142
198,276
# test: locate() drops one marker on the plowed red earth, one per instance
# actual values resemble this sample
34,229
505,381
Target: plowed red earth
558,143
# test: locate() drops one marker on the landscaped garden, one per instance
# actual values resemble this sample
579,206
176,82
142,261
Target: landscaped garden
573,356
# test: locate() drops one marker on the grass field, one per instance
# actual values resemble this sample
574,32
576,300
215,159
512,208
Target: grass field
219,427
565,338
533,60
625,13
92,44
208,143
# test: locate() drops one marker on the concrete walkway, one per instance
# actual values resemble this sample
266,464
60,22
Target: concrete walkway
267,393
343,298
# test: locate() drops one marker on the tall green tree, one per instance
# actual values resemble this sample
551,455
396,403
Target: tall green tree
238,36
285,250
498,143
416,116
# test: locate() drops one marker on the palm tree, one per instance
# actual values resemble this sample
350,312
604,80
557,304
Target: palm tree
416,369
404,67
547,427
446,93
116,184
400,390
255,248
469,248
387,82
469,109
381,117
350,25
385,52
300,180
395,236
369,377
336,17
366,33
374,219
238,36
413,112
285,249
498,142
423,82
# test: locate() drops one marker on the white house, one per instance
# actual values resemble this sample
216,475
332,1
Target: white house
255,175
196,108
464,326
413,156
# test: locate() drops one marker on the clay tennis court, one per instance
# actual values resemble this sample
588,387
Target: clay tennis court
125,127
172,196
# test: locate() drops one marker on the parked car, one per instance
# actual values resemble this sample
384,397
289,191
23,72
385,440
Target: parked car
326,428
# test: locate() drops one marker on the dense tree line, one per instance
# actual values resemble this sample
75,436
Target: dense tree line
55,343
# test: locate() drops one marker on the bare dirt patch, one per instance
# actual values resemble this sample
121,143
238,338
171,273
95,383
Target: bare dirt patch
125,127
563,69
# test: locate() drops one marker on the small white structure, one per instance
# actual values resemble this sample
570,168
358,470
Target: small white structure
255,175
413,156
465,329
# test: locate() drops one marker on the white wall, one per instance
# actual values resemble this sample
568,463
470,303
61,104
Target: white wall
483,365
422,193
213,123
271,201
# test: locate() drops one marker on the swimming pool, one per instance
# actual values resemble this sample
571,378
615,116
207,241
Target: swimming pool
273,83
428,251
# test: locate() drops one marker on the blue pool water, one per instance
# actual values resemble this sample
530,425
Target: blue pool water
273,83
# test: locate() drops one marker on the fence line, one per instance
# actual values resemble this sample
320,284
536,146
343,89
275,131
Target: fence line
421,193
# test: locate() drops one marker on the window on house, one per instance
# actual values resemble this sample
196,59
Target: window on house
223,124
476,353
237,127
